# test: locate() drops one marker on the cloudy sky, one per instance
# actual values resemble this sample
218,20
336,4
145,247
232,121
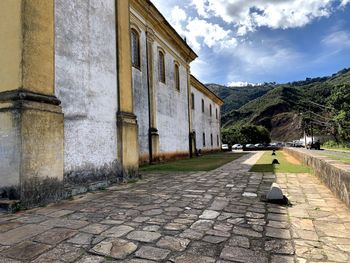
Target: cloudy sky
262,40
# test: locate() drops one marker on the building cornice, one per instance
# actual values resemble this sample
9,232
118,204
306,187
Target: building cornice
158,22
202,88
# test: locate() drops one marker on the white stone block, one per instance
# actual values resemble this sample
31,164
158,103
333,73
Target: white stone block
275,193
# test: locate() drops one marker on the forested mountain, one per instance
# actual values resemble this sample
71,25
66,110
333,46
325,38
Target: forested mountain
279,107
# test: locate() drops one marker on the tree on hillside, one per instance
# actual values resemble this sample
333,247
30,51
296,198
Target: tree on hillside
340,102
246,134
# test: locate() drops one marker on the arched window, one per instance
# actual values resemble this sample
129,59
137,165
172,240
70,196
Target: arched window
177,76
135,49
161,66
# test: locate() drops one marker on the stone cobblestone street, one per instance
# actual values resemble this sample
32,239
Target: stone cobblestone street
199,217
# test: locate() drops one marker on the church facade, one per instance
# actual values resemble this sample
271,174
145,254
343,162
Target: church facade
87,84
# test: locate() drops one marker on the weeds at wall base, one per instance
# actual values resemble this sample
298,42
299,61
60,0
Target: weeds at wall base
37,191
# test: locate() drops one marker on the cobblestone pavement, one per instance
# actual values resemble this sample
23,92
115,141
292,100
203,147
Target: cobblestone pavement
199,217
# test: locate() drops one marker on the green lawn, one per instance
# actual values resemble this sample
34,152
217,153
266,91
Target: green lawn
265,164
345,160
203,163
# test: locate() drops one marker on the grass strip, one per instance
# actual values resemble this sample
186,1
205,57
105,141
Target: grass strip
204,163
264,164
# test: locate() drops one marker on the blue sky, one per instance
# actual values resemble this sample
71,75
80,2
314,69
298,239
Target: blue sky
259,41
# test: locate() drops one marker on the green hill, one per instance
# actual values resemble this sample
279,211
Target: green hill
277,107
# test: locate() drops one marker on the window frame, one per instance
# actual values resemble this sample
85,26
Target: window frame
136,33
203,139
161,66
203,106
192,101
177,81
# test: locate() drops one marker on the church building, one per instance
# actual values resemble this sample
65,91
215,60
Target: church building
87,84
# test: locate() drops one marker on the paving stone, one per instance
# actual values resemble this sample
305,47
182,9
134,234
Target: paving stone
305,234
173,243
190,258
202,225
152,253
81,239
278,233
117,231
61,222
91,259
282,259
191,234
61,253
144,236
175,226
26,250
279,247
245,232
7,226
139,260
209,214
95,228
214,239
277,224
243,255
153,212
239,241
60,213
55,236
254,215
114,248
21,233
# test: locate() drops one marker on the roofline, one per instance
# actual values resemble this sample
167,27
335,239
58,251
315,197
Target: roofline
201,87
158,20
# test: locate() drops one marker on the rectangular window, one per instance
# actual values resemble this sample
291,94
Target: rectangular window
216,113
211,140
161,66
202,105
192,101
217,140
210,110
203,139
177,77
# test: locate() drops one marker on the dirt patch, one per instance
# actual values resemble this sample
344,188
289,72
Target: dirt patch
291,159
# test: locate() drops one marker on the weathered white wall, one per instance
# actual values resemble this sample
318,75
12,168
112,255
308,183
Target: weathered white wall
172,106
140,89
203,122
86,81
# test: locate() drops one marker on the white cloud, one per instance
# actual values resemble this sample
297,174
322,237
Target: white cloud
337,40
242,84
249,15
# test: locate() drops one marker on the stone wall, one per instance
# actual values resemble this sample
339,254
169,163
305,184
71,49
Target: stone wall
204,123
86,81
335,174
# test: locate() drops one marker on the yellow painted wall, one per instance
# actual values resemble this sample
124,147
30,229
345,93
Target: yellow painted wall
10,45
27,57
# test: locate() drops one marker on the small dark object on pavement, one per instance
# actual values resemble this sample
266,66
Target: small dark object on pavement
275,161
274,152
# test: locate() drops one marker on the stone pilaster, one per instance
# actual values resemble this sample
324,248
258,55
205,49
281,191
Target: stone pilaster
153,131
127,128
191,137
31,120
